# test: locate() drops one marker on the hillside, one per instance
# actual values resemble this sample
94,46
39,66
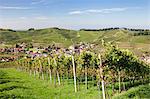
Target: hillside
41,36
65,37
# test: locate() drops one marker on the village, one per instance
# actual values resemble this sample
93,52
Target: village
23,50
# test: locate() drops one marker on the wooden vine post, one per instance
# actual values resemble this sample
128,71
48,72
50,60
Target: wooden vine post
57,73
74,74
101,77
50,71
74,70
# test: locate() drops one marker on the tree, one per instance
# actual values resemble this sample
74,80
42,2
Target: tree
31,29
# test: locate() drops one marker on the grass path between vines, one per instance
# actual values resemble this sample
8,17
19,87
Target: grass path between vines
19,85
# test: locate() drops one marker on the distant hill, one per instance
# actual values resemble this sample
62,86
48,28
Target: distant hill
65,37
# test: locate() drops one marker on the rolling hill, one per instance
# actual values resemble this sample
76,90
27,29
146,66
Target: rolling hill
65,37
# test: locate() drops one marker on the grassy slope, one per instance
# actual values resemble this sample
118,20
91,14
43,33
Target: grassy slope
41,36
14,84
47,36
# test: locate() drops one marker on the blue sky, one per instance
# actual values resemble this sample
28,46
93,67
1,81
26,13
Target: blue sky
74,14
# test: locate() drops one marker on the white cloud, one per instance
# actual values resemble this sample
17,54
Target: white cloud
106,10
14,8
76,12
100,11
38,2
93,11
115,9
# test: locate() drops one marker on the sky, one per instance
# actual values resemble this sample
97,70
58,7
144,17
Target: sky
74,14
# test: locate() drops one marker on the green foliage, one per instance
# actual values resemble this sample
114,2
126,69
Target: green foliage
118,59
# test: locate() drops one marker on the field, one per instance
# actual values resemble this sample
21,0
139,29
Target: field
19,85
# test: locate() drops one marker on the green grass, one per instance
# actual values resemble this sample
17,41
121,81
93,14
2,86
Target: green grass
14,84
139,92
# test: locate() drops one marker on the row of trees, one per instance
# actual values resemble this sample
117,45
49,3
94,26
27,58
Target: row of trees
142,33
116,28
104,29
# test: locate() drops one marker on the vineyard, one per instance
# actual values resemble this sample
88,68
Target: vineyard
108,72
